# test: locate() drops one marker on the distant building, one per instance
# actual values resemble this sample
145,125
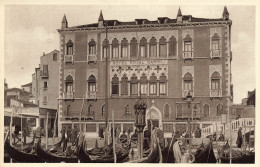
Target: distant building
251,98
161,60
16,94
27,87
45,87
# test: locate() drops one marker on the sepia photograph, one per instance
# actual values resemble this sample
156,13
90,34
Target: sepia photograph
129,83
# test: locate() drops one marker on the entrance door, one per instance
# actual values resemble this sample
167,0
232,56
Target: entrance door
155,123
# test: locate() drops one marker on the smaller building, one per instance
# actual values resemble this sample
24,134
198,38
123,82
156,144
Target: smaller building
16,94
27,87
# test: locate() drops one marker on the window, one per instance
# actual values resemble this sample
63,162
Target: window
168,127
68,110
124,85
124,47
187,81
166,111
153,49
45,85
54,58
220,109
103,111
163,47
206,111
92,84
143,45
115,48
45,99
69,47
92,47
196,111
215,81
187,46
187,49
133,48
215,39
134,86
143,81
45,70
153,85
105,46
115,81
127,127
127,112
69,85
163,85
172,46
179,111
91,128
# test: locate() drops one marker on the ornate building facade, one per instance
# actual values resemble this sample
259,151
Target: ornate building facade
161,61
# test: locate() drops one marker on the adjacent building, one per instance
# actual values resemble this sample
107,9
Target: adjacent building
160,61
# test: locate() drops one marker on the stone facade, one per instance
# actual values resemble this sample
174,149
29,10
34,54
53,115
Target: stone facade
161,61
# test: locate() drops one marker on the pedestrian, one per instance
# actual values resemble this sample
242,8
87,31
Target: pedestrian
239,138
123,137
69,134
100,133
198,132
74,135
63,132
177,134
111,133
24,135
117,133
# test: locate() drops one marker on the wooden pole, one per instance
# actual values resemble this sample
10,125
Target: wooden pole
80,115
21,128
46,131
106,91
114,145
54,128
11,125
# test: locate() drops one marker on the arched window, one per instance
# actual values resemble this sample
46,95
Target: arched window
143,81
69,48
68,110
69,86
220,109
124,46
143,46
115,82
187,47
187,81
92,47
153,85
166,111
196,111
206,110
162,83
133,48
215,81
134,85
172,46
215,39
179,111
163,48
91,113
153,47
103,111
92,83
105,46
127,112
124,85
115,48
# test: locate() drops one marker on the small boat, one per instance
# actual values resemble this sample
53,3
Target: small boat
167,153
205,154
238,157
52,157
21,156
87,157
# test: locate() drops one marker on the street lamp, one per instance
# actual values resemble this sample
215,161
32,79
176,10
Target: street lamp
189,99
140,112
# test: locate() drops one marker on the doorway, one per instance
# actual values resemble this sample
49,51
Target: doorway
152,123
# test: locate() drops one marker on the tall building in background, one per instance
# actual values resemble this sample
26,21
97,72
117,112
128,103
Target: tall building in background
161,60
45,87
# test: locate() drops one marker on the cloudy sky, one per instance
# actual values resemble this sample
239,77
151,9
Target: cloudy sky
31,30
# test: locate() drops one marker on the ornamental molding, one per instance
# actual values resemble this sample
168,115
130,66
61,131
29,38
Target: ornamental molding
215,68
187,69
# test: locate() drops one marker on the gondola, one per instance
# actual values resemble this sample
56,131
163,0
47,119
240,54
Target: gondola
21,156
51,157
85,157
167,153
205,154
238,157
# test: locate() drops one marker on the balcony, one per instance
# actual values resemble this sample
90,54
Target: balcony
92,58
215,93
68,95
187,55
91,95
44,74
215,54
90,115
185,93
69,58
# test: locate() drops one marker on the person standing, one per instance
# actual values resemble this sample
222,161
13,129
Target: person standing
198,132
69,134
24,135
239,138
101,136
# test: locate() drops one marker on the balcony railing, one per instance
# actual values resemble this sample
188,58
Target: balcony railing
44,74
187,55
92,58
242,122
215,54
91,95
68,95
216,93
69,58
185,93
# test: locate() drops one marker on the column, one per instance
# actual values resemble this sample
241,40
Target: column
129,93
138,47
158,88
128,51
138,88
119,51
157,49
119,88
167,49
148,88
110,51
148,50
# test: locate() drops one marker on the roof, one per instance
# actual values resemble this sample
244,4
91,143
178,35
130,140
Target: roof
17,90
46,54
27,85
27,103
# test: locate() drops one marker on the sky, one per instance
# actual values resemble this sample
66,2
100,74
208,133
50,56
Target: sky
30,30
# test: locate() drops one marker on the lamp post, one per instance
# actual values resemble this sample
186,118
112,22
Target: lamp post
140,112
189,99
